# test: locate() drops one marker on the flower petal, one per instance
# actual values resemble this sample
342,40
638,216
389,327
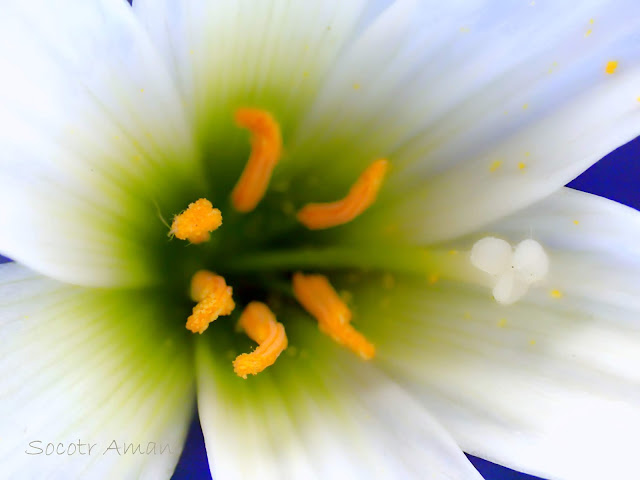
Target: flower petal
272,55
94,138
93,367
482,108
319,412
549,385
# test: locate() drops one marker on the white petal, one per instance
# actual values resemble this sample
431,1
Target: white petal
88,366
318,413
530,261
94,138
491,255
481,107
270,54
549,385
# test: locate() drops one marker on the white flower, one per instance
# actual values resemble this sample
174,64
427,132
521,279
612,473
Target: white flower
114,118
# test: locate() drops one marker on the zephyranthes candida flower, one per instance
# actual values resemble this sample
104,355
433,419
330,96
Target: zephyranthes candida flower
356,205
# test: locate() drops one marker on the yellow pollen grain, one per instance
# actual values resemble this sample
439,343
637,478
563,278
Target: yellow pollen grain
259,323
502,323
525,106
305,74
556,294
532,342
356,86
196,222
591,21
266,148
588,32
495,165
317,296
576,222
522,165
214,299
433,278
611,67
318,216
638,99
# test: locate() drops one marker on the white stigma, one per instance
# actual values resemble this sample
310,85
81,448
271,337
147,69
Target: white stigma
514,270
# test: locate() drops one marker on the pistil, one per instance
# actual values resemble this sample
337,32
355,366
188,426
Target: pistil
317,296
260,324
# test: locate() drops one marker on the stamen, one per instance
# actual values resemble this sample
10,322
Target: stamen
260,324
196,222
316,216
213,297
317,296
266,147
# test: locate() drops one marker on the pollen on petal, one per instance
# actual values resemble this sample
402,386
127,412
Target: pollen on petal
317,296
259,323
266,149
317,216
196,222
214,299
611,67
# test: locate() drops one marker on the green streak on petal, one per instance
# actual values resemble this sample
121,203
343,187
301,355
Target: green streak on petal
403,260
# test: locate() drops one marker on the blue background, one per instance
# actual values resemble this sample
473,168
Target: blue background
616,177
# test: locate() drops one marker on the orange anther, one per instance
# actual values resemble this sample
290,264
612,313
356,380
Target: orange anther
317,296
266,147
196,222
361,196
260,324
213,297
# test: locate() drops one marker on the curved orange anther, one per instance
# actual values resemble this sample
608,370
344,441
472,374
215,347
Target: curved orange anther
196,222
214,298
260,324
316,216
266,148
317,296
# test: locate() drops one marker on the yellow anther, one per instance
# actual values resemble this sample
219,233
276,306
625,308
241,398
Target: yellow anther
260,324
611,67
522,165
495,165
214,298
363,193
266,148
556,294
196,222
317,296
